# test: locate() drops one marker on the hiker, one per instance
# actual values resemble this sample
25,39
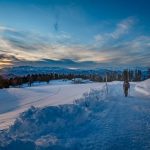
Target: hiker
126,86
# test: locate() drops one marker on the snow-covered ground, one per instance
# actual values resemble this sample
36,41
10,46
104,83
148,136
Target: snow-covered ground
97,120
143,87
13,101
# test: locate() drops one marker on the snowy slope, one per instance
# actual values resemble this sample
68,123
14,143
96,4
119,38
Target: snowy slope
143,87
96,121
13,101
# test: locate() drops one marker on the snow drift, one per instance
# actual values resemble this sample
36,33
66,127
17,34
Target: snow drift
55,127
143,87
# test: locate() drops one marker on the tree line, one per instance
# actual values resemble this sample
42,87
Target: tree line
131,75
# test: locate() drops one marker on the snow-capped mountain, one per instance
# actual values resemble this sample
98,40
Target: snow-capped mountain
25,70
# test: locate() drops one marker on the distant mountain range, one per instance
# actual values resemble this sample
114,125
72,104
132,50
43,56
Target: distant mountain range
25,70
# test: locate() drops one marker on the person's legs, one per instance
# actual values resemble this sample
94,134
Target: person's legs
126,92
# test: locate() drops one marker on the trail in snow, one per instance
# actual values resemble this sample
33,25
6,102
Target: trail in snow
125,123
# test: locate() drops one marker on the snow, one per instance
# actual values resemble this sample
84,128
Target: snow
143,87
95,120
13,101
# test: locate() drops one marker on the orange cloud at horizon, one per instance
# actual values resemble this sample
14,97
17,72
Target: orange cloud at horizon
5,63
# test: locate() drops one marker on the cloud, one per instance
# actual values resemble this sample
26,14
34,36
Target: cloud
7,60
108,48
4,29
132,52
34,47
122,48
122,29
5,56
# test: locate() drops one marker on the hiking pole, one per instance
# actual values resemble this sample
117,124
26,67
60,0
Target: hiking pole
106,85
128,81
129,91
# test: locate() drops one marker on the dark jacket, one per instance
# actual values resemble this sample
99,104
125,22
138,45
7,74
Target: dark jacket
126,85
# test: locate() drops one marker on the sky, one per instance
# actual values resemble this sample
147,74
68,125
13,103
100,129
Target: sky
75,33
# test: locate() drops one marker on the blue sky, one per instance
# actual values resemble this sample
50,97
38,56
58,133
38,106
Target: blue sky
103,32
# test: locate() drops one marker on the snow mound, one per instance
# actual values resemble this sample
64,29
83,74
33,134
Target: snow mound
143,87
55,127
